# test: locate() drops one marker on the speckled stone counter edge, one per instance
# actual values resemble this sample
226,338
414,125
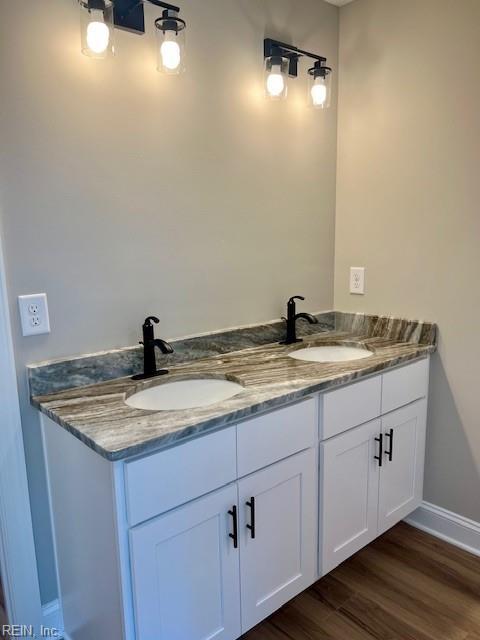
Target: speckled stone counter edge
208,426
68,373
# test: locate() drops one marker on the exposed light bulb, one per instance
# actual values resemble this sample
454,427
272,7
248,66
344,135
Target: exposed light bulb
171,54
319,93
98,36
275,82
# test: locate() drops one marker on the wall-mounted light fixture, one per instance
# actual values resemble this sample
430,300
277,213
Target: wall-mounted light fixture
281,62
96,27
170,42
100,16
320,86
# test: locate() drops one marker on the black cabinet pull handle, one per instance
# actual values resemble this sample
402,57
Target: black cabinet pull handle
380,450
251,526
234,535
389,453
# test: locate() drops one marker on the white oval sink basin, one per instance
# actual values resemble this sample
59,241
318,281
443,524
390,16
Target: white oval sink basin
184,394
335,353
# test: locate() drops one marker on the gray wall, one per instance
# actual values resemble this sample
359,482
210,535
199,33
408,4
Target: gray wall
408,203
125,193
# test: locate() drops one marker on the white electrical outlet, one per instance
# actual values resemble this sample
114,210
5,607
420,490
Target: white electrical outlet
357,280
34,314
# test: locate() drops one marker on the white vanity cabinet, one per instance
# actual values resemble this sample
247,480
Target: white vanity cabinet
371,475
186,572
200,540
257,535
206,539
277,552
348,493
401,476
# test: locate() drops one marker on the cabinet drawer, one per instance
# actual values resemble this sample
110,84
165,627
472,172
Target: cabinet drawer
275,436
404,385
172,477
348,407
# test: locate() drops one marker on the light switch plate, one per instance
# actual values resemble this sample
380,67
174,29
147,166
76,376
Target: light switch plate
34,314
357,280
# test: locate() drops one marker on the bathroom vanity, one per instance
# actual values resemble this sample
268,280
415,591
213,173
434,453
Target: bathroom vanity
209,526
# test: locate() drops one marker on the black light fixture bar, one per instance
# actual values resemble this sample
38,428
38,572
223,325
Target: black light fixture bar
276,48
94,4
130,15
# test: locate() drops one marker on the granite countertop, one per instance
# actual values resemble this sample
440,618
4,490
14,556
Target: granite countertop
99,417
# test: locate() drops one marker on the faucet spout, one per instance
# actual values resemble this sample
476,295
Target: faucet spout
306,316
164,346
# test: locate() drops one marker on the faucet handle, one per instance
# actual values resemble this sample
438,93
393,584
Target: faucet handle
149,320
293,298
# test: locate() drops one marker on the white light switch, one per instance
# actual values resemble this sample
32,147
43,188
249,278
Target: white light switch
357,280
34,314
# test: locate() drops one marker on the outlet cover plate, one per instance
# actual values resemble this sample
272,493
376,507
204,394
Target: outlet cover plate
34,314
357,280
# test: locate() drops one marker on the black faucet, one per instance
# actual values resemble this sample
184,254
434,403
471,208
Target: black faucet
149,344
291,320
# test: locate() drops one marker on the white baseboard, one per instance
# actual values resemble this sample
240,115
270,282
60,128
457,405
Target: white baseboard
52,616
448,526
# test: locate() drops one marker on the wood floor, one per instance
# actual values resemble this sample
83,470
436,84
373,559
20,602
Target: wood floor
406,585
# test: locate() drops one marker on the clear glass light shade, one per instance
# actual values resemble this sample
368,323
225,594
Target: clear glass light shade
96,24
276,77
320,90
170,45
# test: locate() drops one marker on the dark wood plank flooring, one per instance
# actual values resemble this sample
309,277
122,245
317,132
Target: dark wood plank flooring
406,585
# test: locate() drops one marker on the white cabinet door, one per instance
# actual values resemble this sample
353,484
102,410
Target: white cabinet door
278,557
401,478
185,571
349,478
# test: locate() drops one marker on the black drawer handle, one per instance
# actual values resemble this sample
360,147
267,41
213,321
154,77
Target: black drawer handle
389,453
380,450
251,526
234,535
